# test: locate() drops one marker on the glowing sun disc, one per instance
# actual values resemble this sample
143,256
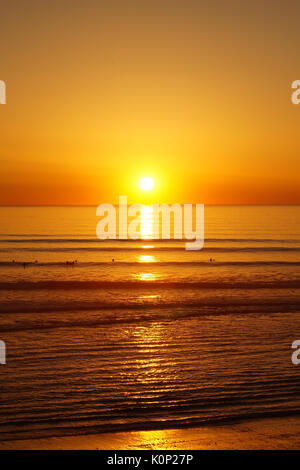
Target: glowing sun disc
146,183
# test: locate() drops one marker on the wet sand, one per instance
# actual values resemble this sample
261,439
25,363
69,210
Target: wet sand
275,433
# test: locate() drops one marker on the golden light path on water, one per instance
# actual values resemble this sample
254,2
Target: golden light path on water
146,259
146,234
145,276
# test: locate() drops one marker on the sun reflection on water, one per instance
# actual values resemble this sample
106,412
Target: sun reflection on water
145,297
146,276
146,259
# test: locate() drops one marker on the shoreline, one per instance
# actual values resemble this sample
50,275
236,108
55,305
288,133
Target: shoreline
258,434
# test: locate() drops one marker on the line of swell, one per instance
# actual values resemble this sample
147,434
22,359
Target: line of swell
54,239
28,285
140,313
101,248
154,263
22,432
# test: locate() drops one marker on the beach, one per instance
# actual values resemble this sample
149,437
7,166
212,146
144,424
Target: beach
267,434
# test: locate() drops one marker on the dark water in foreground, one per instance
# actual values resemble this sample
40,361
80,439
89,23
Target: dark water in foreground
161,337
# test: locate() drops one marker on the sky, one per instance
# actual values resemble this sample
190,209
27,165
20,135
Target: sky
194,94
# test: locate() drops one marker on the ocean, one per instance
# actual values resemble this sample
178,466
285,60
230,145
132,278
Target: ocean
134,335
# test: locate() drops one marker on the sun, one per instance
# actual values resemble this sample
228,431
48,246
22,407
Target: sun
146,183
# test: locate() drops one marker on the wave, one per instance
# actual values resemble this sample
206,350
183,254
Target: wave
134,284
103,248
91,424
142,313
88,264
80,239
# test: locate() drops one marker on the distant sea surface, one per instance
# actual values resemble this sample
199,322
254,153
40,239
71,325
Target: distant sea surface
126,335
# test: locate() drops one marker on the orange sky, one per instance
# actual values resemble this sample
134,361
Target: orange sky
195,94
